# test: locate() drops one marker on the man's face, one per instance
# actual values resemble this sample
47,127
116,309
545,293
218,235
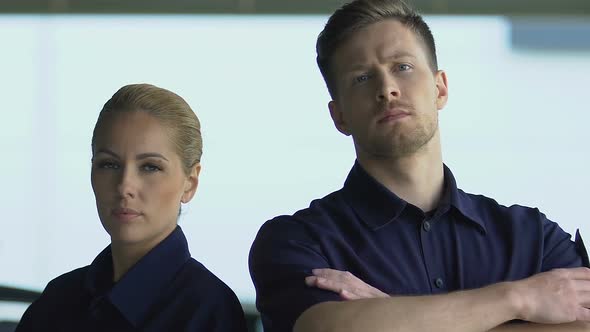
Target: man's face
387,96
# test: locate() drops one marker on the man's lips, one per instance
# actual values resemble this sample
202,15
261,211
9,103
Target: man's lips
392,115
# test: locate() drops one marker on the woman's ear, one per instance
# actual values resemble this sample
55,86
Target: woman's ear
191,184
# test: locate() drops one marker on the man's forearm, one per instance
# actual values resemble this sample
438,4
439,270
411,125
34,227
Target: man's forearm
470,311
532,327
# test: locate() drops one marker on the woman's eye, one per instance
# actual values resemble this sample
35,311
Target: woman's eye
108,165
151,168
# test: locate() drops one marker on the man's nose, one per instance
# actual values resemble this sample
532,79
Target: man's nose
387,87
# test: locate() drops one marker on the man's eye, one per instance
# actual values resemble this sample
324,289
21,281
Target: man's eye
361,78
404,67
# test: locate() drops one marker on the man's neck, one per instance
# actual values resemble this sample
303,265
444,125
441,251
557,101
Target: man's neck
418,178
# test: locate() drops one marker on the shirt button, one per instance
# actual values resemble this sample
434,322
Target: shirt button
439,283
426,226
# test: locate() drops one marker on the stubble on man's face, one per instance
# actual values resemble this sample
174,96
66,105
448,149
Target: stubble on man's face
401,142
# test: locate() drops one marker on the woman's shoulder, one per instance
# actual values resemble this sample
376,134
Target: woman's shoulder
203,299
61,294
195,277
68,281
63,290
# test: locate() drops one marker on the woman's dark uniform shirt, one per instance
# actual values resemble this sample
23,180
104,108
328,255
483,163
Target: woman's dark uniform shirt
166,290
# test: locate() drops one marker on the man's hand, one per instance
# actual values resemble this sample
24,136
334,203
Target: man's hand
348,286
557,296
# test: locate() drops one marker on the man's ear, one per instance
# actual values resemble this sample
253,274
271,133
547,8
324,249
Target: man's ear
191,184
338,118
442,87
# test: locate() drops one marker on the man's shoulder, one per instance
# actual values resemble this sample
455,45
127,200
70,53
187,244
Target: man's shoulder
298,236
321,212
490,210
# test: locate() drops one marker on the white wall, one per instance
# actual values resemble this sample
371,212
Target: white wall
515,127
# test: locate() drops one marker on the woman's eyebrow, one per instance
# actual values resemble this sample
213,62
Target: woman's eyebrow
151,155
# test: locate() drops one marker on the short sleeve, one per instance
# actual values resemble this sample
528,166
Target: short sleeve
559,251
282,255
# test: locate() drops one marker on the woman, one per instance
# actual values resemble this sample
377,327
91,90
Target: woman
146,151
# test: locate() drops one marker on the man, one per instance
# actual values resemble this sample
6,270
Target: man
400,247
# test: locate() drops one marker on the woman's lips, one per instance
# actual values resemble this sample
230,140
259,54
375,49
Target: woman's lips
125,214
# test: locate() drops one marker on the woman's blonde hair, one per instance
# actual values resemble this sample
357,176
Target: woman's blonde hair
166,106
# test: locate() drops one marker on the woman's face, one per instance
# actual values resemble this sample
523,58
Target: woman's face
138,179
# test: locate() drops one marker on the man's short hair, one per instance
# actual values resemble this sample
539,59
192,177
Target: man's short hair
359,14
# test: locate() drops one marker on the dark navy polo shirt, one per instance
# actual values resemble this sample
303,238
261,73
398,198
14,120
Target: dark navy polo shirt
166,290
469,241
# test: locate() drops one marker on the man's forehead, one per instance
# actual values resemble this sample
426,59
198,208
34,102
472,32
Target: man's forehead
366,48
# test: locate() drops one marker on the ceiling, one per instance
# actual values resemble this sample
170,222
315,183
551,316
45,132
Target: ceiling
452,7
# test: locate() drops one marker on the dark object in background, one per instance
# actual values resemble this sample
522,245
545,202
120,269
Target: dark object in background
10,294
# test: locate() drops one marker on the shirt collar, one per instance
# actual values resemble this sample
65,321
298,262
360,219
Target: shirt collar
377,206
462,202
135,293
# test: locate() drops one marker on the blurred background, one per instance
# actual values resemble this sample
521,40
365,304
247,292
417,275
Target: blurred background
515,127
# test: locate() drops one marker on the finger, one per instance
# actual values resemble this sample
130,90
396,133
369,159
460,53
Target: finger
357,294
583,314
319,282
329,284
311,281
581,285
579,273
328,273
342,276
363,292
377,293
584,299
335,280
371,293
348,296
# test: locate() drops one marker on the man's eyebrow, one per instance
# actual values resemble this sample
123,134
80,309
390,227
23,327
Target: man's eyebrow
401,54
360,66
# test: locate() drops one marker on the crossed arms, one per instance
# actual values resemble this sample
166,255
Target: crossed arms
292,296
560,296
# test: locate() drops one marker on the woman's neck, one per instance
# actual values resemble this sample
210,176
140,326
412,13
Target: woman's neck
126,255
